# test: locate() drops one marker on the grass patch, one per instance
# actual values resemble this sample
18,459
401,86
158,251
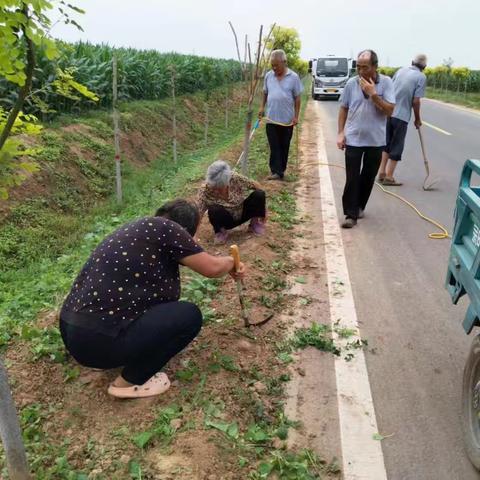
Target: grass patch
471,100
42,250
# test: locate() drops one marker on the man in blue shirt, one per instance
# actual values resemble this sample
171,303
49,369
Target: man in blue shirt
409,83
281,95
367,100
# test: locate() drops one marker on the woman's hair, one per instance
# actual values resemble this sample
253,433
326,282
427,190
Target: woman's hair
219,174
182,212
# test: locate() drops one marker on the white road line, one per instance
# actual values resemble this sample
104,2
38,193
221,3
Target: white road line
362,455
438,129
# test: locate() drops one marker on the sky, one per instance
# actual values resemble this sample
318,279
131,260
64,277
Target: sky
395,29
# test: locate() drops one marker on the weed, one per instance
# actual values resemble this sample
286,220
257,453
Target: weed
200,290
162,430
45,342
272,282
318,336
305,465
46,459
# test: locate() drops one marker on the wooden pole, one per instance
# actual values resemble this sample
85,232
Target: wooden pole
206,124
226,107
10,432
116,132
174,117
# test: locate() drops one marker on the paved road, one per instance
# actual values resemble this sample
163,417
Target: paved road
404,311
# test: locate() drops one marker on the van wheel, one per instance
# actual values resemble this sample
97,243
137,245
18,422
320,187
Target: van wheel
471,403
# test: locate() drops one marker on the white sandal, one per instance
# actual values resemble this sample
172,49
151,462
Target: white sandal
156,385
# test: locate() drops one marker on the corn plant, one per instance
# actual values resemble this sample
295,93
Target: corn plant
142,75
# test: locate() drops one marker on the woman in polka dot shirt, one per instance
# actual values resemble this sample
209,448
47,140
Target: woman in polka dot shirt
123,309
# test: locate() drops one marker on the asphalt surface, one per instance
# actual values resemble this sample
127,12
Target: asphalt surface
417,344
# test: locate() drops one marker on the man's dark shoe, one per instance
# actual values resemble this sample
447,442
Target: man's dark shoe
349,222
274,176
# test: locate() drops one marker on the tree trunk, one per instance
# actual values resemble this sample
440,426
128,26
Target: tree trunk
10,432
206,124
116,133
226,109
24,91
174,122
246,141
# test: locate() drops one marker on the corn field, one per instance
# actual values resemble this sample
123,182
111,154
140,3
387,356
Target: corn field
142,75
453,79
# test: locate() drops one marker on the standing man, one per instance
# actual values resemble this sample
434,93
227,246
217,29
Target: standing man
281,95
367,100
409,84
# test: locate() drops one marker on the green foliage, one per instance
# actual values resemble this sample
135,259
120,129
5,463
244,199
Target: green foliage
47,459
305,465
44,342
162,430
142,75
447,78
229,429
200,290
320,337
42,248
14,168
287,39
24,31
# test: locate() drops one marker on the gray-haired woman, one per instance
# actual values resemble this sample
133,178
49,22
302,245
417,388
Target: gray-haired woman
230,201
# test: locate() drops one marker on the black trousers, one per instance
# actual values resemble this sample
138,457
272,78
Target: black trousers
279,140
144,348
361,164
253,206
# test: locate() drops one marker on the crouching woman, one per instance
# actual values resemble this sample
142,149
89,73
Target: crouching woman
231,200
123,309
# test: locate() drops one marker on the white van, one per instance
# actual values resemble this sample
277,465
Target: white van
330,74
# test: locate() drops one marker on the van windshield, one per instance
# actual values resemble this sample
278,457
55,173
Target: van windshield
332,67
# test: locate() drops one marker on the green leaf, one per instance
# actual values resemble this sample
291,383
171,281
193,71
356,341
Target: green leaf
230,429
285,357
264,469
255,434
135,470
377,436
301,280
143,439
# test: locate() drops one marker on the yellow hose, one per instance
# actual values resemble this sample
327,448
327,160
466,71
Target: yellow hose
443,234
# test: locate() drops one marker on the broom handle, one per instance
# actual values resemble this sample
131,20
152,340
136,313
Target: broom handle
422,144
235,253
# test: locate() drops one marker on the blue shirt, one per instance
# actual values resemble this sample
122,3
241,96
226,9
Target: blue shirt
281,96
366,124
409,82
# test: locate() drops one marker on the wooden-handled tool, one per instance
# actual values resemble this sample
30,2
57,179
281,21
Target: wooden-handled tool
249,322
426,186
235,253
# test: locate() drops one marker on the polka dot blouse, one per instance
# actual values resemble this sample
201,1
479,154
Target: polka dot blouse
133,269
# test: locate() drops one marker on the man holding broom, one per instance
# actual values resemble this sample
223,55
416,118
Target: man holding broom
409,83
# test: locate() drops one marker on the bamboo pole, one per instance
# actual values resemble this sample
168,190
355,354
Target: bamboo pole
174,115
116,132
226,107
206,124
10,432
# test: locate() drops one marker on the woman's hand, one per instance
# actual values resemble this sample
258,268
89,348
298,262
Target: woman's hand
238,274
